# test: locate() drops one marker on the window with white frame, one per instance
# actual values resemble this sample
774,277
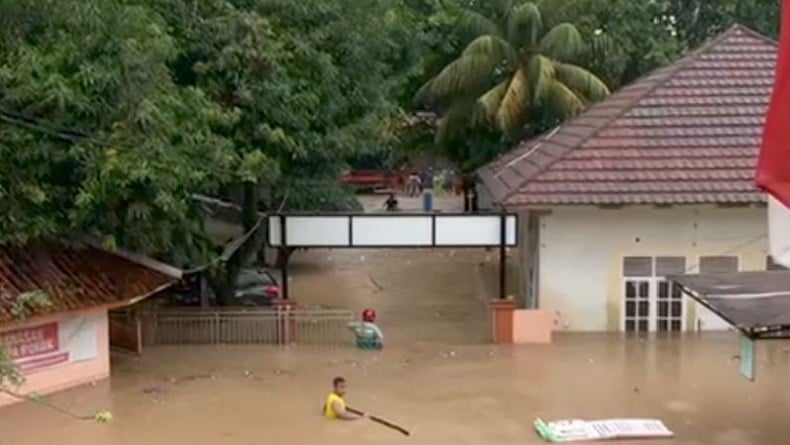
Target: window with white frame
652,304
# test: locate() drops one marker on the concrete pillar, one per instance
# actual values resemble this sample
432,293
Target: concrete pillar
502,320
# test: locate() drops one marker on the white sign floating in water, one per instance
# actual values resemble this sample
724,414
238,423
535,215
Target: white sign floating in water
576,430
392,230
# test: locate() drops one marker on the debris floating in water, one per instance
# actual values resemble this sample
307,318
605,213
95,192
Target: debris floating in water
577,430
103,416
152,390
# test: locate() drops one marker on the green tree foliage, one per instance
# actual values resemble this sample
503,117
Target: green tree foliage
312,84
627,38
312,81
113,113
630,39
517,63
695,21
95,137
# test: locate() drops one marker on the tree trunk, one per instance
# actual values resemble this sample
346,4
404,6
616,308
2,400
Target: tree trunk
249,207
225,283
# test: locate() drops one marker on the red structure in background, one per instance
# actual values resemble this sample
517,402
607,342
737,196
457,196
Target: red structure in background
372,179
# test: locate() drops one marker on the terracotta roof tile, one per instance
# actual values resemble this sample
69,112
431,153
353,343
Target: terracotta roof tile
686,133
73,277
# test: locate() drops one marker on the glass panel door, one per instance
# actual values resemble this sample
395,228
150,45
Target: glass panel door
637,305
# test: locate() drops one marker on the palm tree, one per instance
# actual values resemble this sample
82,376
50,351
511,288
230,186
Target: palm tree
513,65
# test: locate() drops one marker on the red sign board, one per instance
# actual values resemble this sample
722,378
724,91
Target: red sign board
35,347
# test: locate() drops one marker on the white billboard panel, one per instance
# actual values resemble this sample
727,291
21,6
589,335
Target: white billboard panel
312,230
474,230
391,230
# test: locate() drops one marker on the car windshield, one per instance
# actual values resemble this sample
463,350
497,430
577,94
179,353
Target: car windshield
249,278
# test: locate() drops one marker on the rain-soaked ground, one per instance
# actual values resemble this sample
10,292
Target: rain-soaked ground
437,375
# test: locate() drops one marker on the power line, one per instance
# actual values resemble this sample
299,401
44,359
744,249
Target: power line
76,136
43,126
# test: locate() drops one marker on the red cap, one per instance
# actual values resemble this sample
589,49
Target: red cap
369,315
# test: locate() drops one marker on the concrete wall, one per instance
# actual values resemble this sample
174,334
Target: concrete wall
581,251
67,375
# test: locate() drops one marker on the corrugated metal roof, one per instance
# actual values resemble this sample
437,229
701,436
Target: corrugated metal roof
73,277
687,133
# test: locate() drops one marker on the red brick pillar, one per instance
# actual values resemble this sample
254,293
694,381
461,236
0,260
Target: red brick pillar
502,320
286,322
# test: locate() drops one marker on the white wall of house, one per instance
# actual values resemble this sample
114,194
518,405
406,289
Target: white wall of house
582,250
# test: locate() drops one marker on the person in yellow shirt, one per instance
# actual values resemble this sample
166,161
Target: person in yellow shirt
335,405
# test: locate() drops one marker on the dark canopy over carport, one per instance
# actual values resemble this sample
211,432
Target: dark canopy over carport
756,303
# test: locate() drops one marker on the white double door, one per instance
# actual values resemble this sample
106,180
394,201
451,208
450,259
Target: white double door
653,304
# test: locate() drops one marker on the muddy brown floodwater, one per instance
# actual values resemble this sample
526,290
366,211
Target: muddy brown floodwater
436,376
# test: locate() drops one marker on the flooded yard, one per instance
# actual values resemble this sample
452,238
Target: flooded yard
460,395
437,376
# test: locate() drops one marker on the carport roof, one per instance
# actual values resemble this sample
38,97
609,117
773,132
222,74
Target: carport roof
756,303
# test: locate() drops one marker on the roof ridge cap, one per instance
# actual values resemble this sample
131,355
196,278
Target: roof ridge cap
752,32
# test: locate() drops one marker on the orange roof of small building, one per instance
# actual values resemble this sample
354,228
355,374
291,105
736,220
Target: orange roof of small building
684,134
75,277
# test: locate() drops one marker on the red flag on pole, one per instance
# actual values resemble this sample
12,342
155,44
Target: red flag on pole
773,167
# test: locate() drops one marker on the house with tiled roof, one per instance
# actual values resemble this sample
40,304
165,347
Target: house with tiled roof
54,304
657,179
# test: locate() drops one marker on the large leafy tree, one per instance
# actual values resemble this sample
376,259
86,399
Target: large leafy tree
516,70
313,84
95,137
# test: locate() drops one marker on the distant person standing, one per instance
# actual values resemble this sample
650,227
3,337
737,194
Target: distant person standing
427,189
413,186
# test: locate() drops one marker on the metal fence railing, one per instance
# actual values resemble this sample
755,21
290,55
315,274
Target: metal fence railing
281,326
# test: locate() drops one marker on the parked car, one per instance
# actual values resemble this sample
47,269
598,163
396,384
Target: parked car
255,287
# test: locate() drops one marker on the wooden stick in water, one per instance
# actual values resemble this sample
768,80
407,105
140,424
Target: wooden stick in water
381,421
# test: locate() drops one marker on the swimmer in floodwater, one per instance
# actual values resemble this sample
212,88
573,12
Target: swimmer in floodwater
369,336
335,405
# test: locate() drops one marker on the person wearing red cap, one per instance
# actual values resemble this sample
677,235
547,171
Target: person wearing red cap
368,335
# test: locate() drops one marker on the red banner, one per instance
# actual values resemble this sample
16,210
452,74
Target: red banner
34,348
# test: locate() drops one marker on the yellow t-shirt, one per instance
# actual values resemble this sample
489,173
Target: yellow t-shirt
329,410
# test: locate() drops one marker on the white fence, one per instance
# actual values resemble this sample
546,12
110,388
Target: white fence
214,326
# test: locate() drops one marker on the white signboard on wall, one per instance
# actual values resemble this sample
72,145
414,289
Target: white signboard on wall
393,230
47,345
